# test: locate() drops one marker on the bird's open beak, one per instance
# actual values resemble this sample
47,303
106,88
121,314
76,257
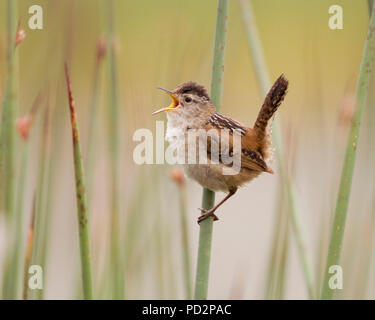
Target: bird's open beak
173,105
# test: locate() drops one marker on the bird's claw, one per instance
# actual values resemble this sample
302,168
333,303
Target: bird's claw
207,214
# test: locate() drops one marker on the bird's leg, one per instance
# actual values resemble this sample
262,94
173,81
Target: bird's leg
211,212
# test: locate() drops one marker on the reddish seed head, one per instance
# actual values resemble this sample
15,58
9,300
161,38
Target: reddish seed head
101,48
346,109
23,126
177,176
21,34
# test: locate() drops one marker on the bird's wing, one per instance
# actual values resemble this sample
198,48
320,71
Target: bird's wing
253,160
237,133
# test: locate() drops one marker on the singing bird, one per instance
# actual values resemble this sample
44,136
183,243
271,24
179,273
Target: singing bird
192,108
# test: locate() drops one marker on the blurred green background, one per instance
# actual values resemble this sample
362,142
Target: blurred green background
164,43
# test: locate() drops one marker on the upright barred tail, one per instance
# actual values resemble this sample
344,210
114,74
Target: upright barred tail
272,101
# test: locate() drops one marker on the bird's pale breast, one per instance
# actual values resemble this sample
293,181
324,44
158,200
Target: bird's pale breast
211,176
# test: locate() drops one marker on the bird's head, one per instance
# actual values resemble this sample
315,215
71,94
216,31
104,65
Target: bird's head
190,101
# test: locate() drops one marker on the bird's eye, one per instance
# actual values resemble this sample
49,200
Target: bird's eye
187,99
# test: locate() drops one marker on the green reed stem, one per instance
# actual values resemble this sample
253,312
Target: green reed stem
83,222
370,3
280,285
94,117
185,242
15,268
93,134
279,246
116,261
40,237
262,74
342,203
29,251
13,291
8,148
369,242
9,112
44,194
208,200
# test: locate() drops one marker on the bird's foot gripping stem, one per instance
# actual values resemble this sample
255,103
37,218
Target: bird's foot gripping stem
210,213
207,214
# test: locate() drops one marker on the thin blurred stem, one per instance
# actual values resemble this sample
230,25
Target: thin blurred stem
364,261
52,137
262,74
280,280
45,193
83,222
274,262
185,243
370,242
323,241
208,200
8,146
338,226
40,237
29,252
94,109
370,4
93,134
117,265
15,266
9,112
274,249
18,246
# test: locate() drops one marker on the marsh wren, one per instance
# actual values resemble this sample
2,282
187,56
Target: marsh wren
192,109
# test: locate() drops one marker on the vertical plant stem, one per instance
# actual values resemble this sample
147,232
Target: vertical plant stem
280,285
117,271
370,132
83,222
44,193
178,177
370,3
342,203
94,106
280,229
9,112
185,244
208,200
29,251
40,237
15,264
12,280
53,131
8,151
262,74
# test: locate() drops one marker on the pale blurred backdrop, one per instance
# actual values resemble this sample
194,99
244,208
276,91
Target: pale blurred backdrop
164,43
